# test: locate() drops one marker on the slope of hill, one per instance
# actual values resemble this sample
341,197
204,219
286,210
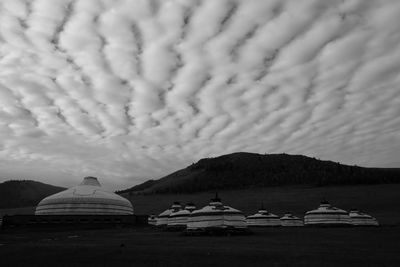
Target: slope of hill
24,193
244,170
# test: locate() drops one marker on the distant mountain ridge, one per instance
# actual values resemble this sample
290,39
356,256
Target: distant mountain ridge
24,193
245,170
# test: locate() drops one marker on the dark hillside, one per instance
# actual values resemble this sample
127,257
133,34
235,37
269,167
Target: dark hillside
23,193
247,170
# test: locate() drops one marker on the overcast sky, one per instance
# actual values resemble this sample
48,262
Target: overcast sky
134,89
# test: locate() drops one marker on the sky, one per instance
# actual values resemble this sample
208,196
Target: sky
130,90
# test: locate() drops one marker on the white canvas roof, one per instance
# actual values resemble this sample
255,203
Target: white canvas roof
216,215
326,214
87,198
361,219
290,220
263,218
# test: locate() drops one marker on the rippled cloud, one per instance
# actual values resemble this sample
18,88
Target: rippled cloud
132,90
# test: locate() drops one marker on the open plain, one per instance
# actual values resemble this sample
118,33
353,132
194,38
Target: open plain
376,246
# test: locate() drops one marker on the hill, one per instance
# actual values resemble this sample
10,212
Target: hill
246,170
24,193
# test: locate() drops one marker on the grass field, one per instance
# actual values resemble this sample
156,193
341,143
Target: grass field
148,247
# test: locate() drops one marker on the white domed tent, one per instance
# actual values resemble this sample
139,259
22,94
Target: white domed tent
88,198
325,214
179,219
361,219
162,219
216,216
290,220
263,218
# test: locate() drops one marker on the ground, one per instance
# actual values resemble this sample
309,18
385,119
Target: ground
376,246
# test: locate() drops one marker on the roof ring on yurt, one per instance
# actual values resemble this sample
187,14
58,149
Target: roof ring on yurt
90,180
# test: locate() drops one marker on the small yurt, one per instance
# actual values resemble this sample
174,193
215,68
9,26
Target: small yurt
162,218
263,218
290,220
216,216
178,219
152,220
361,219
326,215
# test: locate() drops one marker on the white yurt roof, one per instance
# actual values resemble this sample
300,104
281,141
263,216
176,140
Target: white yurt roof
326,214
216,206
289,219
184,212
179,218
88,198
326,208
263,218
162,219
289,216
215,214
165,213
359,218
263,213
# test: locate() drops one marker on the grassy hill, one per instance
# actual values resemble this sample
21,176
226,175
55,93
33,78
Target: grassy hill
250,170
24,193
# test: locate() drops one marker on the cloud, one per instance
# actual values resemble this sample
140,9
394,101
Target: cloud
132,90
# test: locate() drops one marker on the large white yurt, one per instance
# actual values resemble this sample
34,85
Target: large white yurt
290,220
163,217
263,218
216,216
178,219
88,198
361,219
327,215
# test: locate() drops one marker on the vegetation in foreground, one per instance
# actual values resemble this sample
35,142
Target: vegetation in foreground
148,247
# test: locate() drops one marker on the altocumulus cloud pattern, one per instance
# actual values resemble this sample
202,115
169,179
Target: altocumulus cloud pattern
134,89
